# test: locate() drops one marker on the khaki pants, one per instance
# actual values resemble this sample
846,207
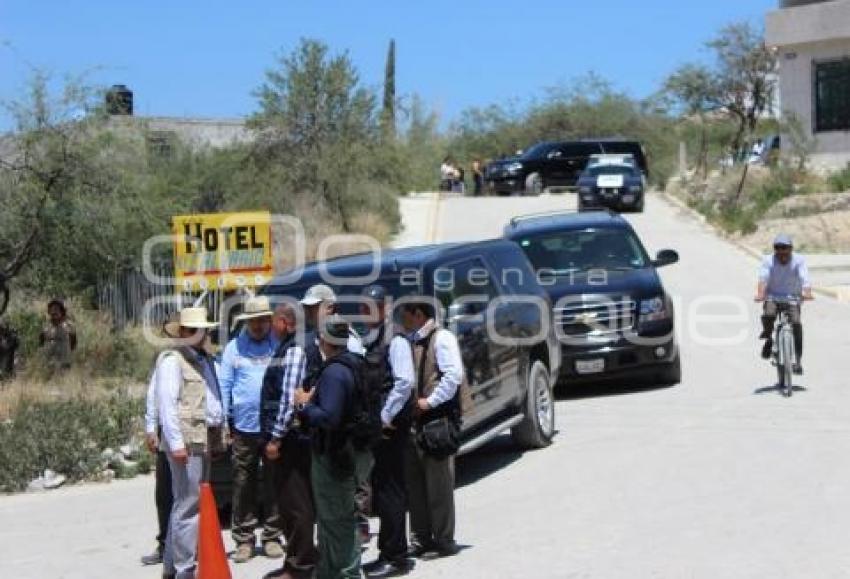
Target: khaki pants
247,454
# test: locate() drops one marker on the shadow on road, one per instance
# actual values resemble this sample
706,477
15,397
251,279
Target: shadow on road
492,457
776,389
566,391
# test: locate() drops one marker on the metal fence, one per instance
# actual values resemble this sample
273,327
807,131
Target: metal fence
129,296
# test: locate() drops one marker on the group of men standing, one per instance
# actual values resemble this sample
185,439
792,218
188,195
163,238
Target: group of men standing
296,401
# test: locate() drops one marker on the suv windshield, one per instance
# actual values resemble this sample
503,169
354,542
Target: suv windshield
568,252
538,150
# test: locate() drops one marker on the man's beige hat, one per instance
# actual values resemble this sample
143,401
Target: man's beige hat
194,318
317,294
255,307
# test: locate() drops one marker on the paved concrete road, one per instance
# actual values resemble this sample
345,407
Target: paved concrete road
718,477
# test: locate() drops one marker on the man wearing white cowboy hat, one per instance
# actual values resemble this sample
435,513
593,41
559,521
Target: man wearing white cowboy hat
191,417
243,366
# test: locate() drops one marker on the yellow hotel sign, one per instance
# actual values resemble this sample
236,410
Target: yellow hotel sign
222,250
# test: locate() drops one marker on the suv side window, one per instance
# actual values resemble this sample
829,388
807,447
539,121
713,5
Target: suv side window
466,278
580,149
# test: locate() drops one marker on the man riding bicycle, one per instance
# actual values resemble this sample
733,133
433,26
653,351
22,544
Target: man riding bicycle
783,276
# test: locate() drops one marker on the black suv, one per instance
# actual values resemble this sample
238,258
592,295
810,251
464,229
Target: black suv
616,184
554,164
498,311
613,315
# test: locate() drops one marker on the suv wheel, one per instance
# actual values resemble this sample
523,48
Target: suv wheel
538,424
534,184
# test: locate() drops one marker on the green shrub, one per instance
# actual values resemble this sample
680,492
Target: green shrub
761,192
735,219
840,180
66,436
145,464
27,322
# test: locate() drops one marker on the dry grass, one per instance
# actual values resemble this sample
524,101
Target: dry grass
72,385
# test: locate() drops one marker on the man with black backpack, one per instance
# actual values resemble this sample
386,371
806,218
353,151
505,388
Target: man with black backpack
338,414
389,371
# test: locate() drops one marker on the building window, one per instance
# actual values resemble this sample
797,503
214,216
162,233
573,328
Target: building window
832,95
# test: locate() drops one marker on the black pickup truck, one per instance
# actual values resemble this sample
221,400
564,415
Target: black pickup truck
494,305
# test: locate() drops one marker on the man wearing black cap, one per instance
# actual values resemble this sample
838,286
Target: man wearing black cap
783,275
325,410
391,370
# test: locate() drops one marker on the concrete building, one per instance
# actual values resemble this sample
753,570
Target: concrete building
162,132
812,40
197,133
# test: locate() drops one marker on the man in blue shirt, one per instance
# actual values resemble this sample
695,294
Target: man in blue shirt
243,366
783,276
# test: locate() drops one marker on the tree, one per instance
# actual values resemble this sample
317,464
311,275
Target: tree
693,87
318,122
388,111
740,83
745,69
745,87
60,178
800,144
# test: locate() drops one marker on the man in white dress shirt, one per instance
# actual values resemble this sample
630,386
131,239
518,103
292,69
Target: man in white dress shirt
191,418
391,364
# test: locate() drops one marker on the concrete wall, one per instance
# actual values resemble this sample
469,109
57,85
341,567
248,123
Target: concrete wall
809,23
198,133
802,36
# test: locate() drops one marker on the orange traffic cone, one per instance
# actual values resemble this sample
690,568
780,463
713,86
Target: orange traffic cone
212,560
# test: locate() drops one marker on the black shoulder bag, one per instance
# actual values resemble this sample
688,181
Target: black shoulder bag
438,430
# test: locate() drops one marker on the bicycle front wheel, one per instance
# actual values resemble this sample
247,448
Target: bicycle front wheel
786,357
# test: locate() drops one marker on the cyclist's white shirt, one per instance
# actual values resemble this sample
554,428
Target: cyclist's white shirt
784,280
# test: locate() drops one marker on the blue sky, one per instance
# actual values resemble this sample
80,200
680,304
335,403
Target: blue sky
187,57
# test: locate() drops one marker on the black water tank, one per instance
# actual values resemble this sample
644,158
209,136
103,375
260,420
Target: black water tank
119,100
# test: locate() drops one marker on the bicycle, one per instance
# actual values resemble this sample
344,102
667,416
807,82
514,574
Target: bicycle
783,354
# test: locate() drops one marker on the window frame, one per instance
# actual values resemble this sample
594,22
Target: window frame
817,125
